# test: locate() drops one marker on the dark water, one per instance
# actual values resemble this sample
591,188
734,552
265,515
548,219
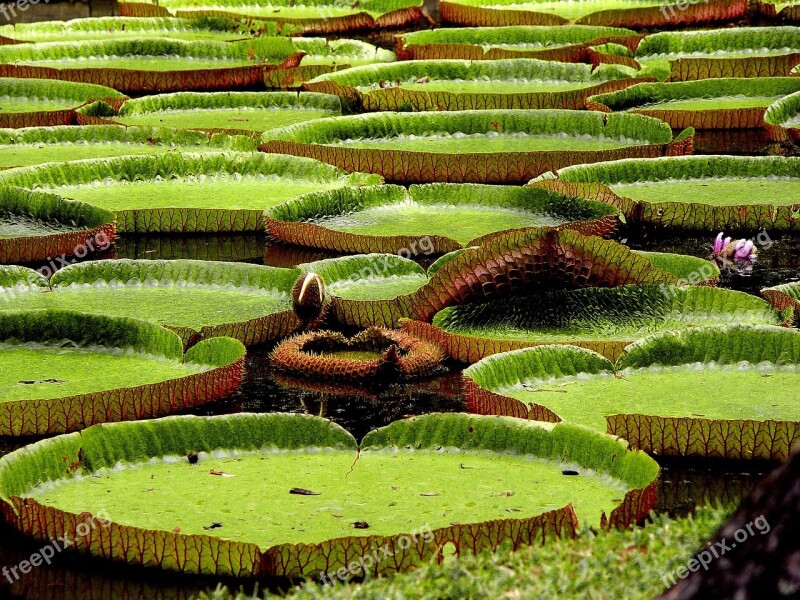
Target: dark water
778,260
683,484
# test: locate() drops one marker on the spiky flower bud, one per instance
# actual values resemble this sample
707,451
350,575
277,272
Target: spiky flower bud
308,296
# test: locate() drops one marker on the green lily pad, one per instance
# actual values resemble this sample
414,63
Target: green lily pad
460,84
318,16
637,14
605,320
785,11
499,146
364,289
37,145
784,297
521,41
342,52
31,103
720,53
339,502
782,119
185,192
688,269
78,30
732,103
63,371
709,193
152,64
433,219
196,299
248,111
37,226
368,276
712,392
522,262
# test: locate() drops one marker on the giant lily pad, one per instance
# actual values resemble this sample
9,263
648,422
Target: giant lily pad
63,371
690,270
784,297
36,145
313,16
342,52
275,505
570,43
152,64
721,392
372,290
436,218
31,103
247,111
605,320
782,119
637,14
196,299
520,262
461,85
78,30
733,52
375,354
697,192
185,192
735,103
786,11
364,289
37,226
499,146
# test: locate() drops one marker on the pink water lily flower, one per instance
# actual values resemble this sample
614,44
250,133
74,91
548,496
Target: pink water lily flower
744,250
719,244
739,250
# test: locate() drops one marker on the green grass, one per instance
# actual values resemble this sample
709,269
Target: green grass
568,10
222,191
680,392
463,222
232,118
377,288
614,565
23,105
384,489
14,226
25,155
194,307
486,142
711,103
713,191
78,371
